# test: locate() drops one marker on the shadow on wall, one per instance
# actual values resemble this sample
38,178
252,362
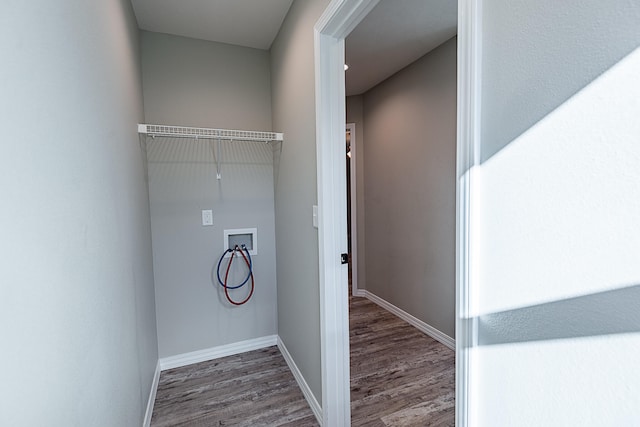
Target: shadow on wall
583,316
561,202
544,72
554,274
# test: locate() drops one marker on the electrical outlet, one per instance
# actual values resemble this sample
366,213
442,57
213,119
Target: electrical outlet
207,217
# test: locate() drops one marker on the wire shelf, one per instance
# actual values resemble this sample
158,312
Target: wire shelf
208,133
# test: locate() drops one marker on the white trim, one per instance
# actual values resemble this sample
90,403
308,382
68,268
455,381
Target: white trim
351,127
306,390
254,239
332,232
198,356
152,396
413,321
338,19
360,293
341,17
468,138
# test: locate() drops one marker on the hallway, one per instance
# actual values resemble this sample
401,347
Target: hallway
399,376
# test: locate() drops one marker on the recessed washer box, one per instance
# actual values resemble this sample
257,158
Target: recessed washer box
241,236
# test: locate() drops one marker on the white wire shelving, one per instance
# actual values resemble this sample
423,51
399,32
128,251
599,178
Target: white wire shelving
218,135
208,133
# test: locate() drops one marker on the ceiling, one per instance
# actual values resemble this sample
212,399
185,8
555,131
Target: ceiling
393,35
250,23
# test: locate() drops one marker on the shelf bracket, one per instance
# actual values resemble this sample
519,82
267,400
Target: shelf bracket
218,175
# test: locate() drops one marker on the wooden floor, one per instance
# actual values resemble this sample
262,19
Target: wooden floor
248,389
399,377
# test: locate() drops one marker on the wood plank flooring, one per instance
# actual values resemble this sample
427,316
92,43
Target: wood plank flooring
248,389
399,377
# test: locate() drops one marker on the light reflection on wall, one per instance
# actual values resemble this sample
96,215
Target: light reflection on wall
555,216
559,206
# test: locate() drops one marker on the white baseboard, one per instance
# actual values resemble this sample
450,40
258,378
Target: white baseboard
413,321
359,292
152,397
306,391
217,352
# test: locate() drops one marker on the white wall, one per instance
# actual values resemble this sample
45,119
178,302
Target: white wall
409,188
200,83
293,105
77,318
555,266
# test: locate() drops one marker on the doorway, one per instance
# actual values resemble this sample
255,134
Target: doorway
352,228
408,195
331,29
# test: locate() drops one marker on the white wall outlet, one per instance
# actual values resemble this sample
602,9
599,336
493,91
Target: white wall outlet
207,217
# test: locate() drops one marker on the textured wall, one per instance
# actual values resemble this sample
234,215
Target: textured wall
555,266
200,83
293,104
77,318
409,188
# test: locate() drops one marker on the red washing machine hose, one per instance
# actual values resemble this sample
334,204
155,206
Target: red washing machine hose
226,276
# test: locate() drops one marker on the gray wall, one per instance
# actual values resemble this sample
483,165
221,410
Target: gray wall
556,201
540,73
200,83
195,82
77,318
409,188
355,114
293,105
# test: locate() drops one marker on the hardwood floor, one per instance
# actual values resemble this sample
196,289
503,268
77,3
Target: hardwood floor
248,389
399,377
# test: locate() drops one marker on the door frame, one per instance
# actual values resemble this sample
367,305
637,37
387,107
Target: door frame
353,176
467,163
337,21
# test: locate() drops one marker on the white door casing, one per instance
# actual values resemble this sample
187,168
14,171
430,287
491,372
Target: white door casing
340,17
338,20
351,130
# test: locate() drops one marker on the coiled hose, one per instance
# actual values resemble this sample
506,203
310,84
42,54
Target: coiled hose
224,283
